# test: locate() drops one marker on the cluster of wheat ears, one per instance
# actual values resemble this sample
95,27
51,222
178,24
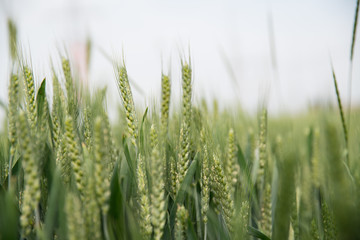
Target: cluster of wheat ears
198,173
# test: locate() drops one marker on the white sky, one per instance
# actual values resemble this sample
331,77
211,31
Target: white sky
306,33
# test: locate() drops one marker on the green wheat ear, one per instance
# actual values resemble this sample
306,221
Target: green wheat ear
144,201
314,232
73,154
30,97
109,145
158,211
70,89
187,93
62,161
91,212
315,170
74,217
205,179
32,193
180,225
173,177
184,157
13,107
266,219
327,215
57,111
165,103
205,188
222,192
232,167
128,103
262,148
242,221
88,128
12,116
102,185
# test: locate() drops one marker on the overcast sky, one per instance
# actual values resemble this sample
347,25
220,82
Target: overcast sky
229,44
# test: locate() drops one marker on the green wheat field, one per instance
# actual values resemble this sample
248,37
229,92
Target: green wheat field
195,172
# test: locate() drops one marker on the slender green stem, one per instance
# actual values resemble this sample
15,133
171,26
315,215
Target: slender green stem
205,231
105,226
37,218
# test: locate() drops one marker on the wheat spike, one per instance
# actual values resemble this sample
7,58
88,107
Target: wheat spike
128,103
158,211
74,217
102,185
165,103
180,225
32,192
30,97
73,155
144,201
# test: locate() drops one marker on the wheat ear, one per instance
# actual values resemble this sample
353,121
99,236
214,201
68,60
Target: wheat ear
32,192
158,211
128,103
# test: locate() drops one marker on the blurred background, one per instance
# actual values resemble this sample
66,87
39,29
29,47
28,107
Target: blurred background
242,52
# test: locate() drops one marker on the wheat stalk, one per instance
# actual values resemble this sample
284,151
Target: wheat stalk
70,89
205,185
232,167
74,217
128,103
222,192
158,211
32,193
165,103
180,226
73,154
266,218
30,97
92,211
102,184
262,147
144,201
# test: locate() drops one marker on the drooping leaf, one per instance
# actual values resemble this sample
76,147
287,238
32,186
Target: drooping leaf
41,98
142,128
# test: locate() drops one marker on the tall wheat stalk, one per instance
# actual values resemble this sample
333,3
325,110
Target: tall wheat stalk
128,103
